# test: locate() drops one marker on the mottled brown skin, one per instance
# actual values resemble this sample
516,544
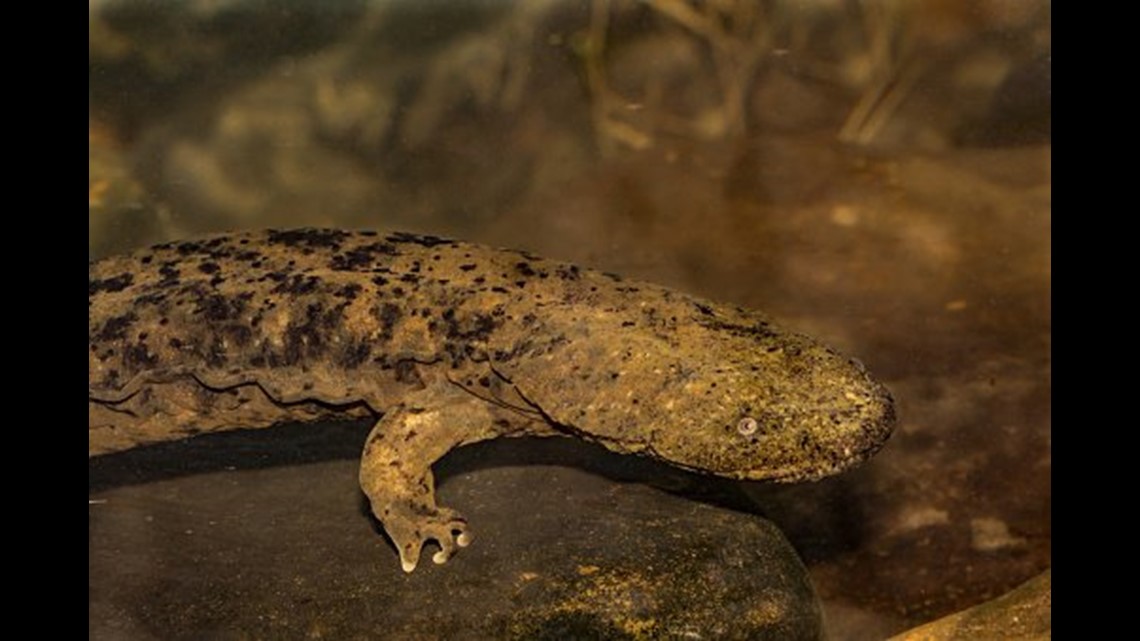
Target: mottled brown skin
451,343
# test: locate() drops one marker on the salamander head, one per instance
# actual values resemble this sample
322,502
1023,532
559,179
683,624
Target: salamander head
717,390
756,402
790,410
705,387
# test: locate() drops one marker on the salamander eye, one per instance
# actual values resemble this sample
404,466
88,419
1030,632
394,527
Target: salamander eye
747,426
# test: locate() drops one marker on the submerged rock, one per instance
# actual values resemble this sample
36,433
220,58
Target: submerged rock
567,548
1025,614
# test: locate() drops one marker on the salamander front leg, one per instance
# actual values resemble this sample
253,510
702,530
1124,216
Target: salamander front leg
414,519
395,471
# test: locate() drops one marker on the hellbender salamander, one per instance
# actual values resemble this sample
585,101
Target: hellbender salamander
450,343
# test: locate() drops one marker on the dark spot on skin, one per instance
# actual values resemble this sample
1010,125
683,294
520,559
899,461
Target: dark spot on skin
389,314
525,254
474,327
114,284
628,323
348,292
115,329
359,258
568,272
308,238
169,272
139,357
410,278
760,330
188,247
220,308
479,280
468,267
297,285
146,260
416,239
397,291
307,336
355,355
153,298
175,343
525,269
208,267
520,283
380,280
376,437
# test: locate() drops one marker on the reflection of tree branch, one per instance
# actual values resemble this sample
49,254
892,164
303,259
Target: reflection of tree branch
605,106
684,15
738,36
489,67
592,51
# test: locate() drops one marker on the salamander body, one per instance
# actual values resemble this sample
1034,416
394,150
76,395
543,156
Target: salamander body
449,343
